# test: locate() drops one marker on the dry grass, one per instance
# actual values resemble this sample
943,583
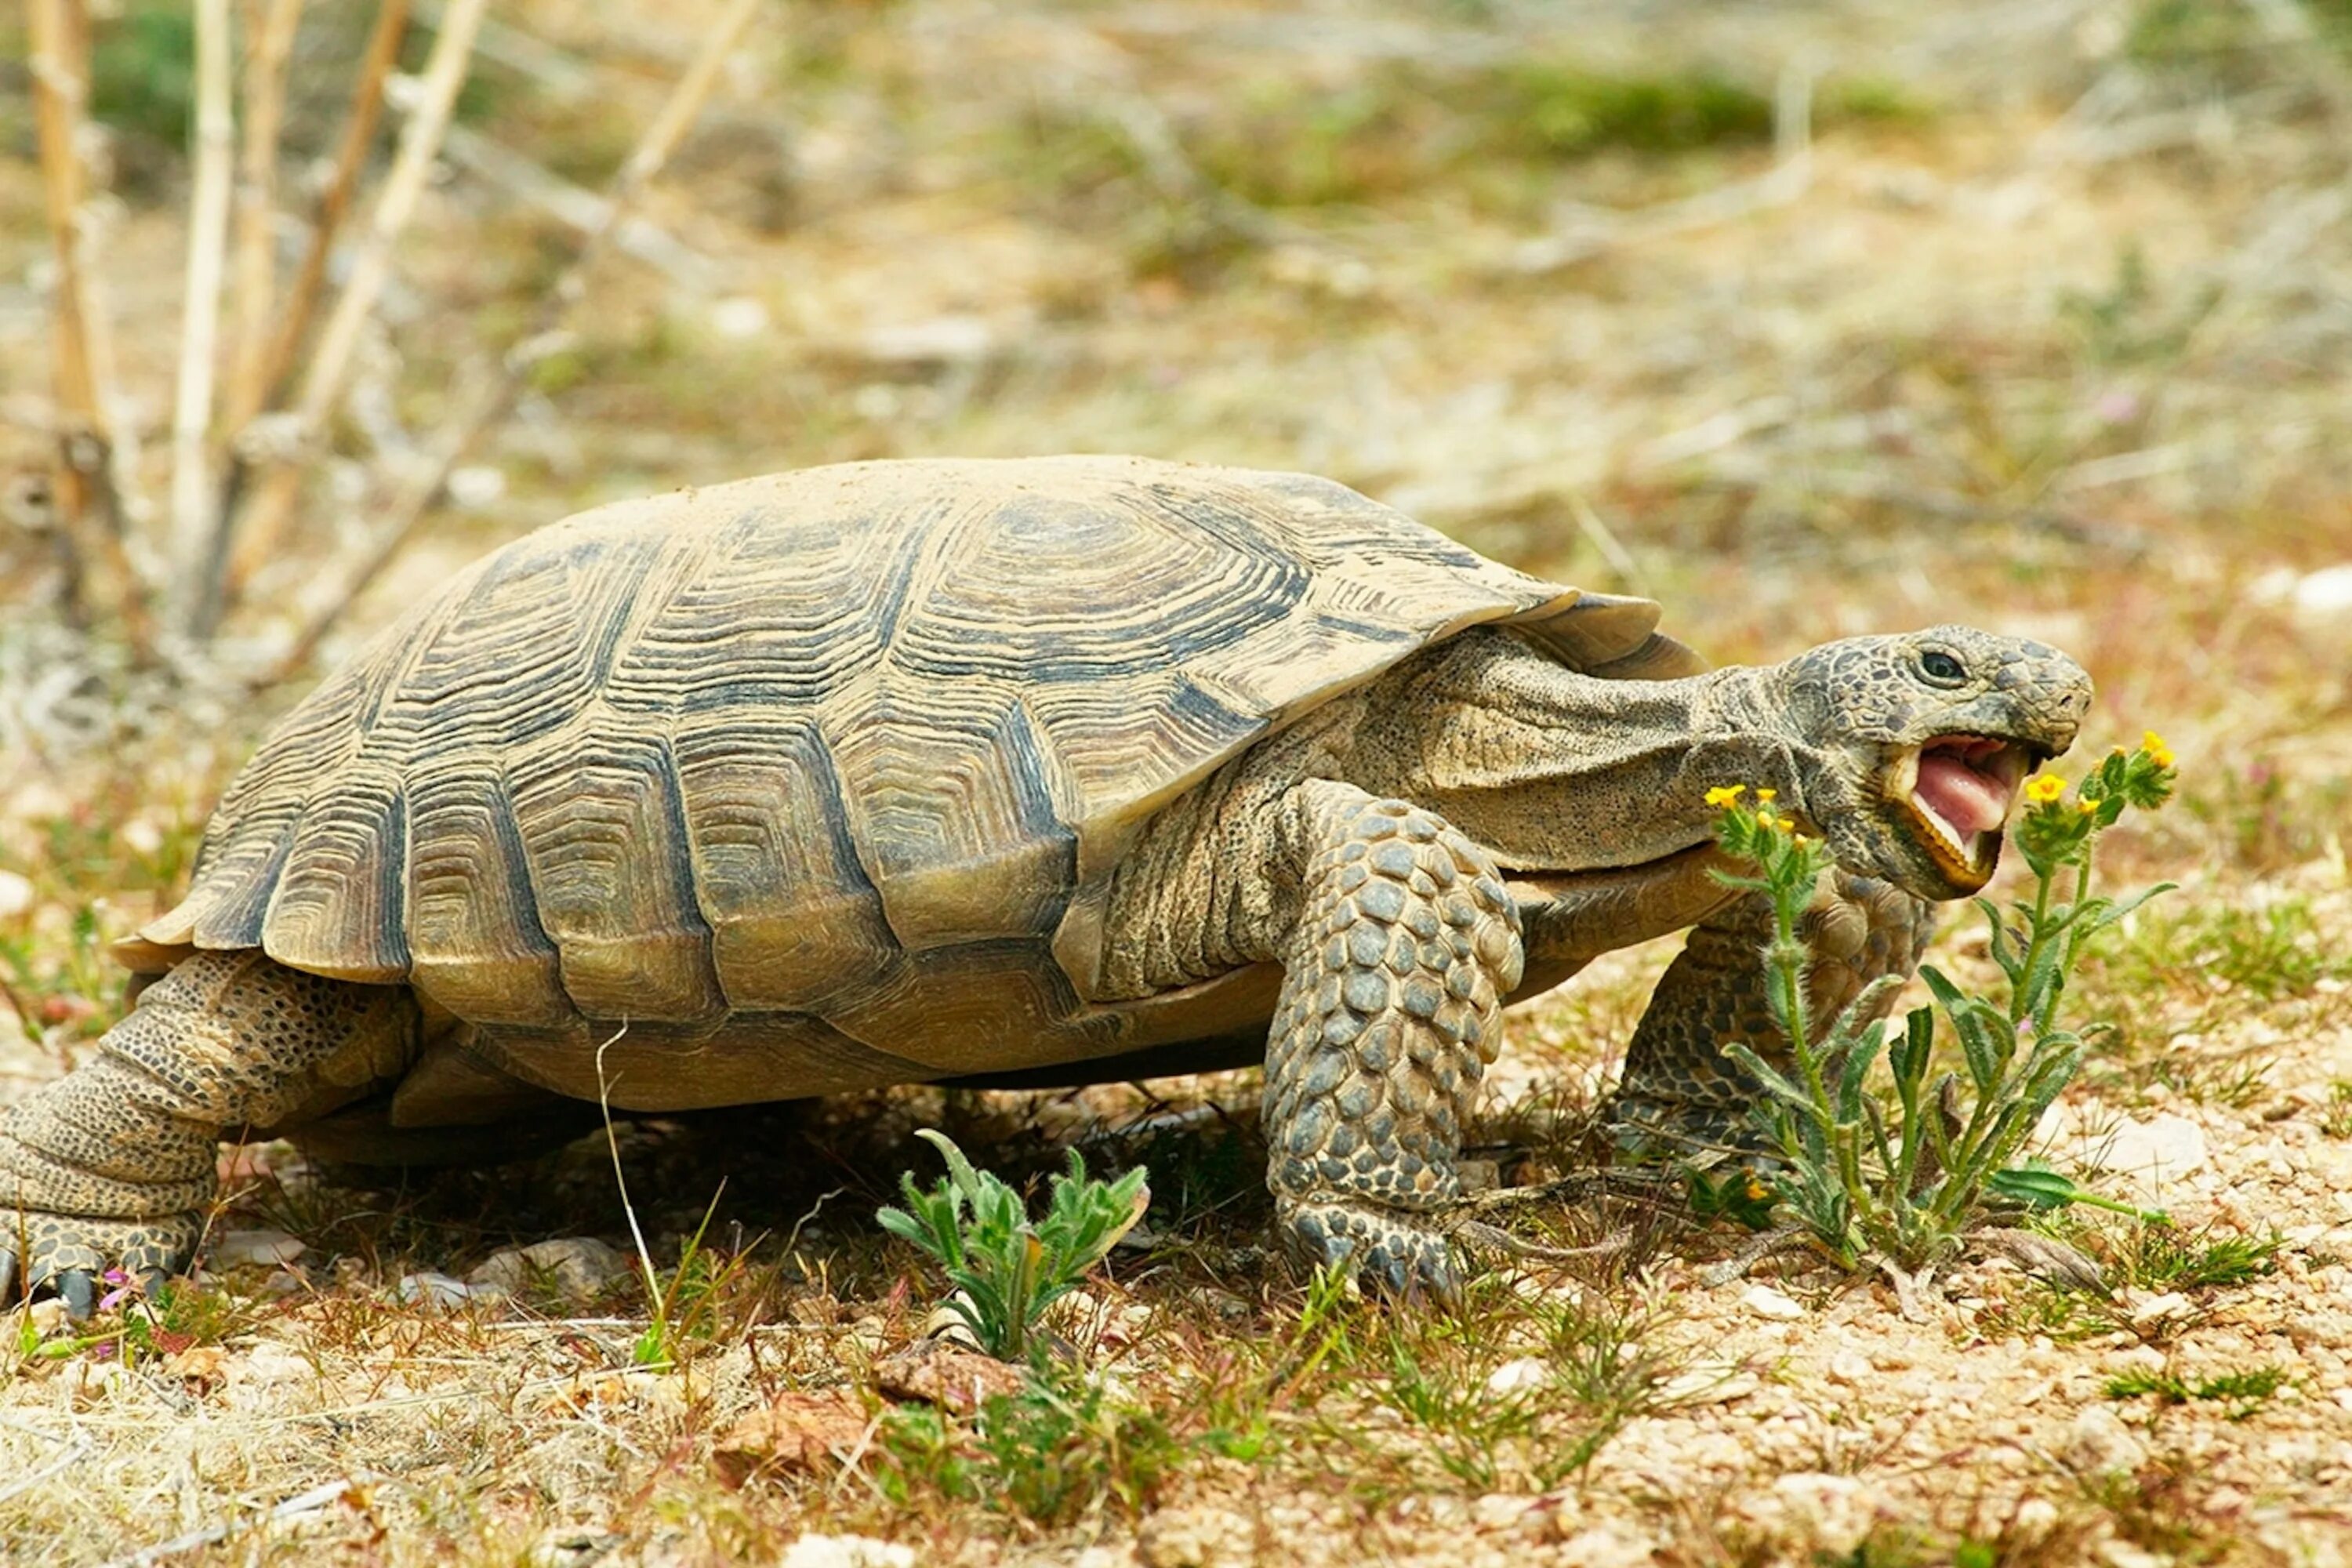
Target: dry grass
2043,326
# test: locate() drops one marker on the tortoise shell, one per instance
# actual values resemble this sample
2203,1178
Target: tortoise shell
818,779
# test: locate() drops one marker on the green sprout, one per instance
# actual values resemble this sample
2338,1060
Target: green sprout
1006,1270
1906,1187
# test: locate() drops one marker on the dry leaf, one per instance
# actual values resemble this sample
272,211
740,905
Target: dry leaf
957,1381
798,1433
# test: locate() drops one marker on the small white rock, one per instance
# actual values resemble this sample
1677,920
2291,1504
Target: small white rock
16,894
440,1291
847,1552
2155,1153
476,486
1766,1302
739,316
239,1248
1519,1377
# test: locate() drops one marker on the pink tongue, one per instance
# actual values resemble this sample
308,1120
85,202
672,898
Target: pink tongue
1963,797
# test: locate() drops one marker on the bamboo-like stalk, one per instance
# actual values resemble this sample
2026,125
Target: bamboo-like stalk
222,573
88,500
265,59
494,392
335,199
192,491
59,58
265,518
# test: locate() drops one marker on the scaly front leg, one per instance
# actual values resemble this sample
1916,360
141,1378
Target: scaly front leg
1405,943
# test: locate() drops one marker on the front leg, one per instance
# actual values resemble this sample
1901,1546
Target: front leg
1404,945
1680,1090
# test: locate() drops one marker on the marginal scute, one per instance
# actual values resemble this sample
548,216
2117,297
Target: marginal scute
822,776
337,908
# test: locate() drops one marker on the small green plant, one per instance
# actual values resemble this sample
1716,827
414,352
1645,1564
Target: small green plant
1006,1270
1907,1191
2244,1392
2161,1257
2338,1123
1059,1447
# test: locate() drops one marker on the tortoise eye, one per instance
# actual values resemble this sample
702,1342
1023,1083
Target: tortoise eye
1941,668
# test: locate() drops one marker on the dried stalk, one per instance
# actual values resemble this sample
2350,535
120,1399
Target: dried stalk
256,200
335,199
192,491
494,391
217,582
88,504
264,521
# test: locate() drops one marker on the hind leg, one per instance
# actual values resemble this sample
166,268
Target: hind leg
112,1165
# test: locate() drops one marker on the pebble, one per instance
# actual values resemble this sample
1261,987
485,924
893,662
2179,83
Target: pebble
1766,1302
240,1248
1519,1377
578,1267
845,1551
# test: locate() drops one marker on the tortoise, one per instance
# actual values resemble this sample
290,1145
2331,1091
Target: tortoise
1061,770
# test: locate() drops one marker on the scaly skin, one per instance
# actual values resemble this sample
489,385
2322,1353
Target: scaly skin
1404,946
112,1165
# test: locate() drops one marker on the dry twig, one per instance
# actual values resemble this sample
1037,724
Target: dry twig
256,193
420,141
192,491
88,503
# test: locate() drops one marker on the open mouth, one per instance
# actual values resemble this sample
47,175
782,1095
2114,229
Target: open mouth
1958,790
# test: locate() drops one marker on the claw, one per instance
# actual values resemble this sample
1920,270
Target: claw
152,1282
79,1292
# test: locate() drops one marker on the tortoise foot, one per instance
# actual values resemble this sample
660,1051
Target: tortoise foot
71,1254
1390,1250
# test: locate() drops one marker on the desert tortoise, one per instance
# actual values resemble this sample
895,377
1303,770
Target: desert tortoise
1088,768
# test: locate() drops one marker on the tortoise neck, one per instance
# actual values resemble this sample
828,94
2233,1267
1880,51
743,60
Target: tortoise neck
1550,769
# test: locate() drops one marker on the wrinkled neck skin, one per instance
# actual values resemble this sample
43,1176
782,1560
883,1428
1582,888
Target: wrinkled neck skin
1551,769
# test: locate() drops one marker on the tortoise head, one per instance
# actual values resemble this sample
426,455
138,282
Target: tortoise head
1925,737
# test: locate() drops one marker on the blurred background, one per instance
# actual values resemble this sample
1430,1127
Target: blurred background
1806,317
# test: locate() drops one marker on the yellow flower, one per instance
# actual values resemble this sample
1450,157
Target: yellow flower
1766,796
1725,794
2043,788
1788,825
2153,744
2086,806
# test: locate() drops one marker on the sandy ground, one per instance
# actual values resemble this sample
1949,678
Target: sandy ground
2060,350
